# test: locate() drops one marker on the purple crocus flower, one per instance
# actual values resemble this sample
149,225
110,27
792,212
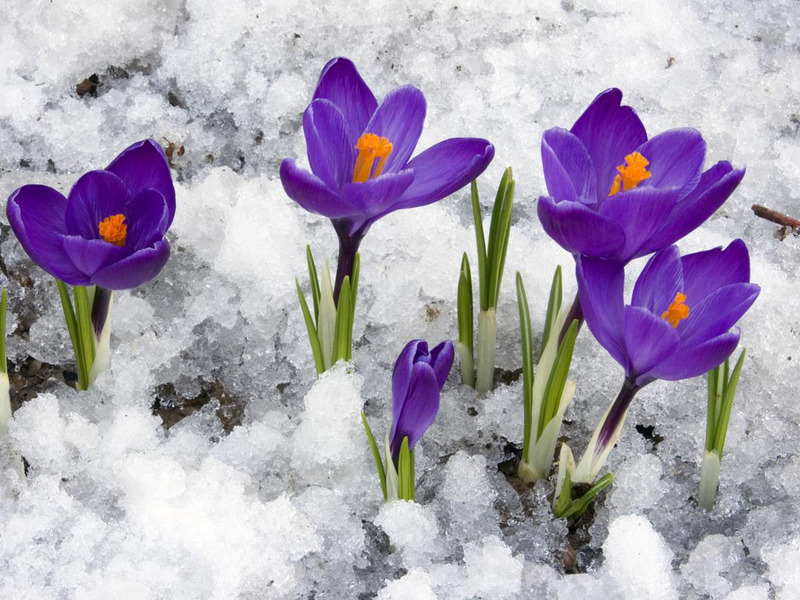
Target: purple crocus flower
360,157
110,230
678,323
417,380
615,194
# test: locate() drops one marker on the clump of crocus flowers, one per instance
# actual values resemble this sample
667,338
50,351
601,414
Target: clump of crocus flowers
614,195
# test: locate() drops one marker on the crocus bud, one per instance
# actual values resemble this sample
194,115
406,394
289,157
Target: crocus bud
417,380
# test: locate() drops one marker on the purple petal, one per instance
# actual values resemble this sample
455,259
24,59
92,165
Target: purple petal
36,214
715,186
693,361
89,256
378,196
579,229
331,151
676,159
310,192
568,169
399,118
609,132
717,312
649,340
444,168
660,280
640,213
96,196
704,272
441,359
401,376
138,268
600,287
144,166
147,218
419,410
340,83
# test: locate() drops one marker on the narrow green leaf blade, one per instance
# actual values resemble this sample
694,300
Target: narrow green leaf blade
498,261
727,404
376,454
312,276
558,377
313,339
342,327
527,364
481,243
553,305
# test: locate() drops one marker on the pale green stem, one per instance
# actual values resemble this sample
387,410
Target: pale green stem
487,347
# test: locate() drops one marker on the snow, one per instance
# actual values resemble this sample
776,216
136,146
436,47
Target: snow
209,463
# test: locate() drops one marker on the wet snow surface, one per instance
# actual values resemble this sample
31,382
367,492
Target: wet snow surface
208,463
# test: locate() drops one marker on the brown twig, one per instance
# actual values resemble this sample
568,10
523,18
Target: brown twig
775,216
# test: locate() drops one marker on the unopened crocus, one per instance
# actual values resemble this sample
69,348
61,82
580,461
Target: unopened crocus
109,231
677,325
360,158
615,194
417,381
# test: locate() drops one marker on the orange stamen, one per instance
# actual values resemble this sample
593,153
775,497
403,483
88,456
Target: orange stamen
370,148
113,230
677,311
631,174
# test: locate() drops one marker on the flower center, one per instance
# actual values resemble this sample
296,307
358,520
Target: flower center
113,229
677,311
370,148
630,174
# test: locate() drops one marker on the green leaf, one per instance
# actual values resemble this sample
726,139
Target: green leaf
481,242
405,471
326,324
579,506
86,335
72,327
713,400
343,326
558,378
316,349
376,455
498,240
312,276
727,404
465,310
553,306
527,364
564,496
353,297
3,309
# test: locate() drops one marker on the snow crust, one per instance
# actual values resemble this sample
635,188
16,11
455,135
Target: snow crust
266,488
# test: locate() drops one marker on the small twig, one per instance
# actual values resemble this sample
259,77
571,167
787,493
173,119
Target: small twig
775,216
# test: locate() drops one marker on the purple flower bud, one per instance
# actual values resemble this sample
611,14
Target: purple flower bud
110,230
417,380
614,194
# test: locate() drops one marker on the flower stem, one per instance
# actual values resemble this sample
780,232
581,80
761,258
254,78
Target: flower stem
101,305
348,248
575,314
101,323
606,434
